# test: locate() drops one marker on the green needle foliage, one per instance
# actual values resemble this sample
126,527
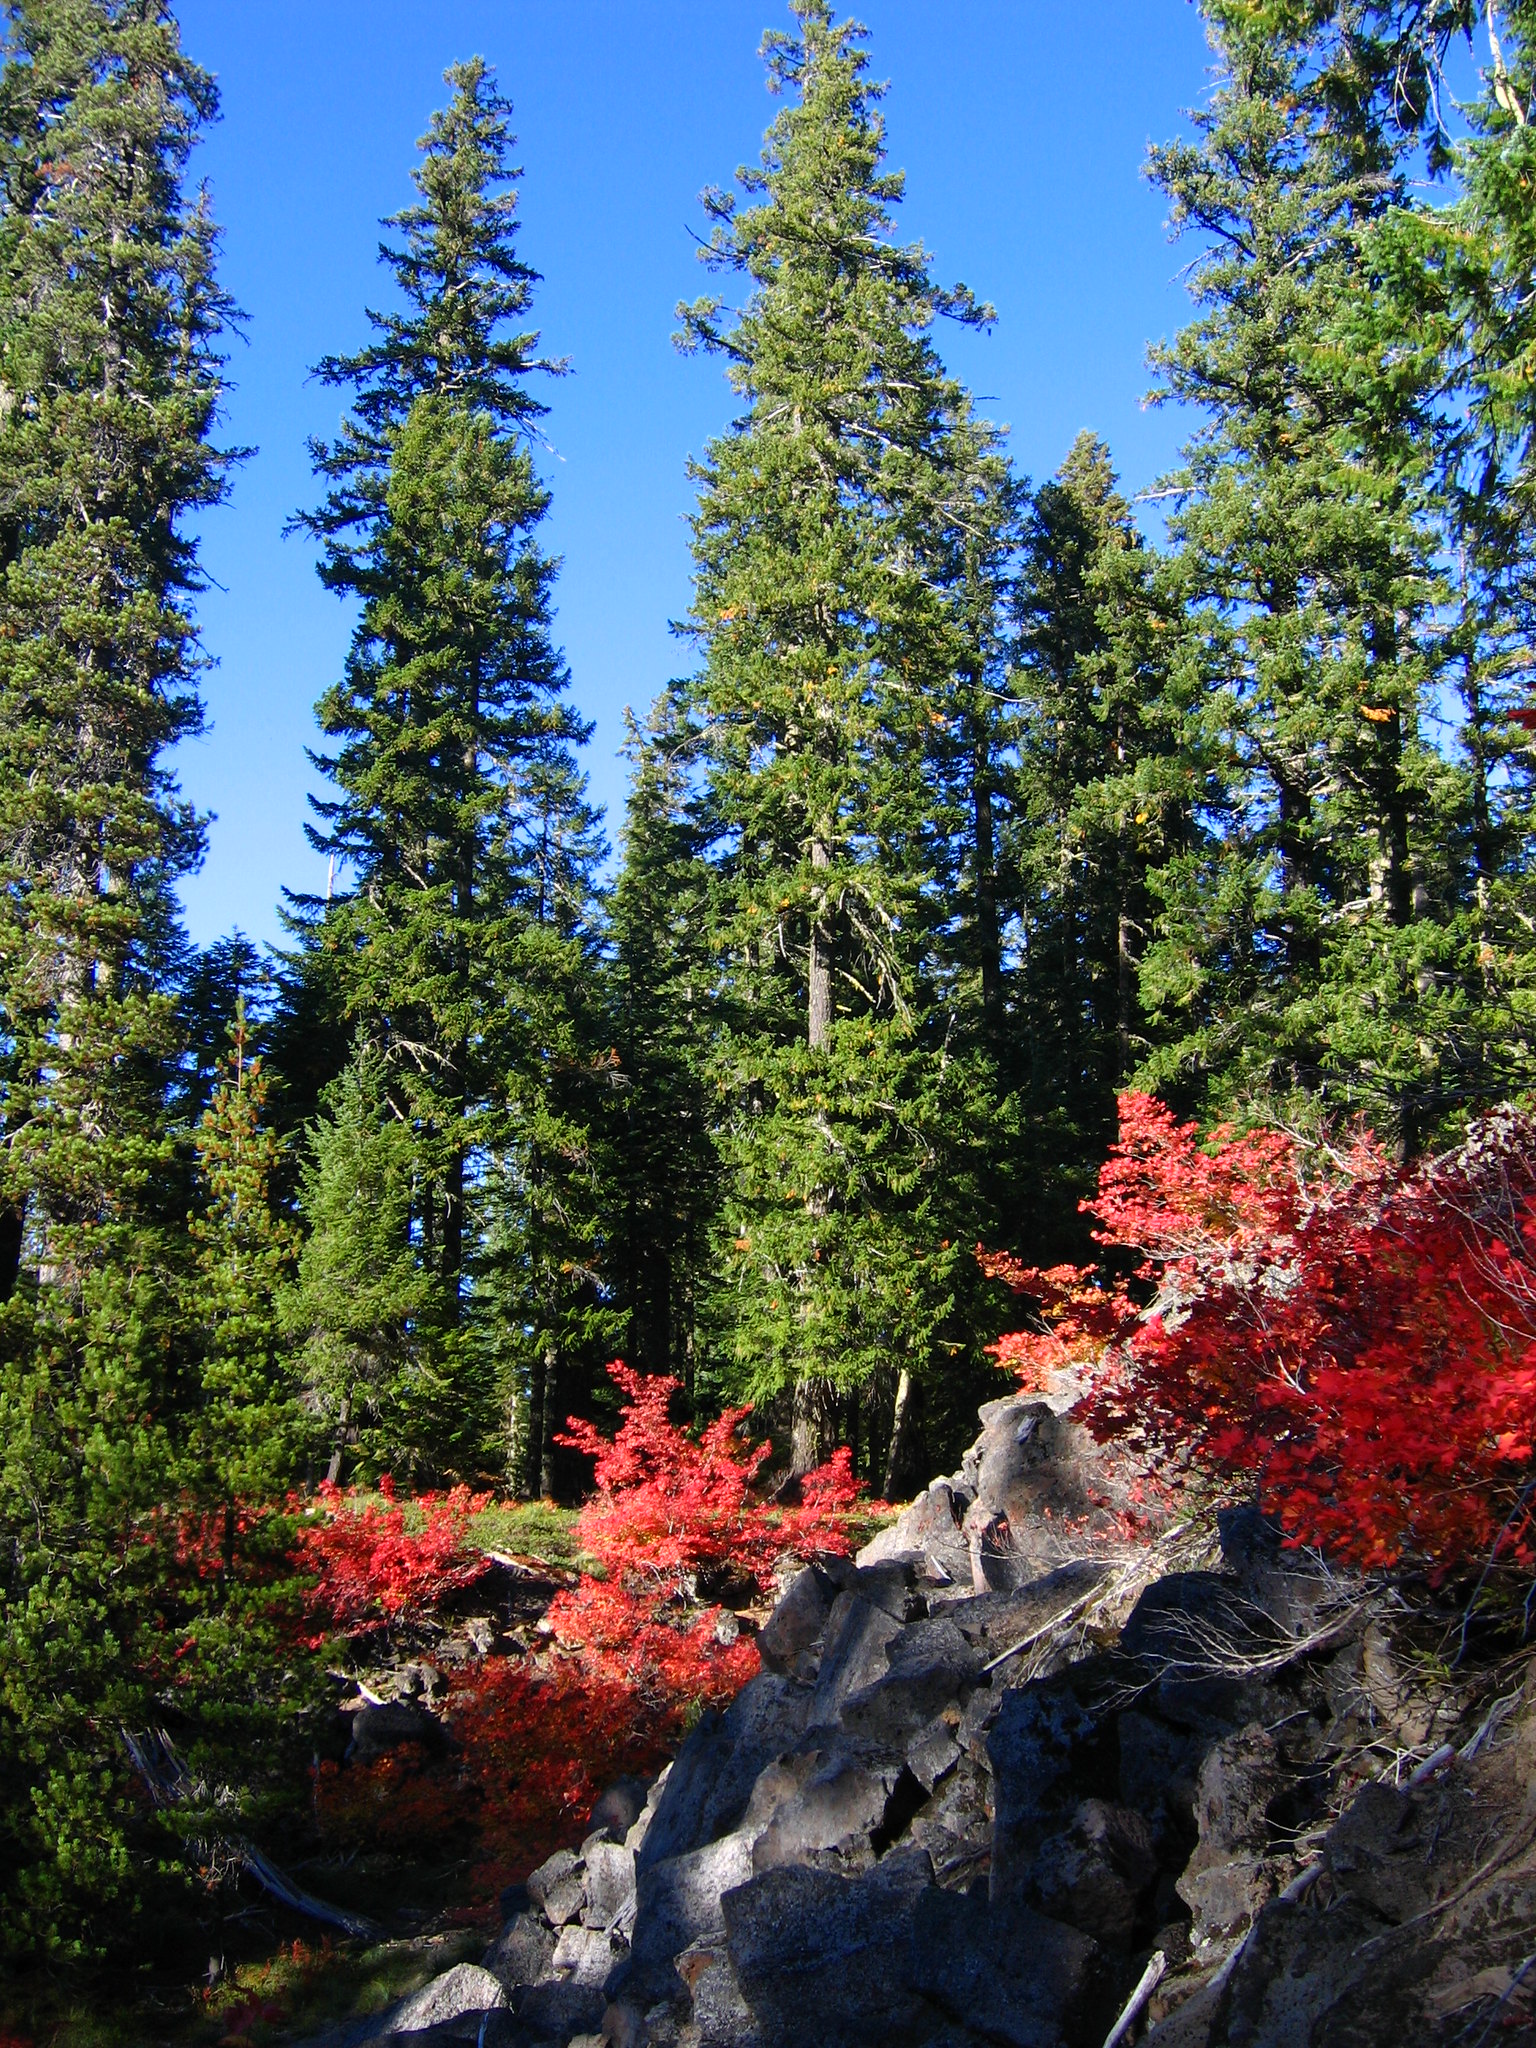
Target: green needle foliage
110,380
666,1179
1101,799
1307,951
825,644
460,829
366,1309
976,807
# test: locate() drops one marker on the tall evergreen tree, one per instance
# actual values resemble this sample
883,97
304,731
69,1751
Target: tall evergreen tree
460,817
822,632
110,379
1306,952
1101,796
665,1189
1460,278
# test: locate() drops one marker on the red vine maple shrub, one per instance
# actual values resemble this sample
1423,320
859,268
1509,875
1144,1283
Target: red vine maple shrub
632,1654
672,1516
1360,1338
670,1508
373,1563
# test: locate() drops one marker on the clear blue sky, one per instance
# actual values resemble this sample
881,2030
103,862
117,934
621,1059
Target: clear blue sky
1021,124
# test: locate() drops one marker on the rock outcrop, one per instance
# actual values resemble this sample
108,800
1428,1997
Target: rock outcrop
1004,1759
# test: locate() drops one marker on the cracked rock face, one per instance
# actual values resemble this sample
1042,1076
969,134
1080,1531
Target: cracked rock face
993,1765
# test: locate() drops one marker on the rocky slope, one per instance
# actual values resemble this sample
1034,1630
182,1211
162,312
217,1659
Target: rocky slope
1020,1760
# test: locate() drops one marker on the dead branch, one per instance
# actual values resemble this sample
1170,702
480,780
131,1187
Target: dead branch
173,1789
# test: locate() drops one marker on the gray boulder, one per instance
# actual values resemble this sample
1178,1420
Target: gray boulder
585,1955
825,1957
1226,1880
464,1990
933,1752
929,1535
795,1625
1042,1749
853,1653
931,1664
711,1779
556,2011
559,1888
888,1960
821,1807
955,1824
1097,1872
523,1952
721,2017
677,1904
610,1888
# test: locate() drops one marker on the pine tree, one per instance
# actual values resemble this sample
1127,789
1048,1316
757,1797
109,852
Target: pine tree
665,1189
110,380
1100,798
364,1306
821,629
1306,953
460,825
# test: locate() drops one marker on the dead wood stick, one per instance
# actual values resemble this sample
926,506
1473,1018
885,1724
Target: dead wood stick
283,1888
1044,1629
171,1788
1151,1977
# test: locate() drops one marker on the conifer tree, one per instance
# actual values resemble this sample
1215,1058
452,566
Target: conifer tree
460,827
247,1438
1100,794
666,1175
110,380
365,1308
1306,952
822,629
1459,278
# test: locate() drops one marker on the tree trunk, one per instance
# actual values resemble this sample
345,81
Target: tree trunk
343,1423
547,1425
988,937
1125,982
898,1431
528,1477
813,1425
517,1439
820,965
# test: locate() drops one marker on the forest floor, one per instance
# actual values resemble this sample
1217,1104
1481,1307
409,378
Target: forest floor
258,1973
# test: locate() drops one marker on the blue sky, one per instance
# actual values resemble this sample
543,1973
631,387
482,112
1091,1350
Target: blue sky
1022,125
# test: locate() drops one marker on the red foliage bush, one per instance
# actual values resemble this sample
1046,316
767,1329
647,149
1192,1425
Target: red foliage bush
1360,1338
370,1565
631,1655
669,1507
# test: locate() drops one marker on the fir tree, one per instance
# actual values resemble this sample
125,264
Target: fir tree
110,380
822,629
666,1186
248,1434
1459,282
364,1307
460,827
1100,794
1306,952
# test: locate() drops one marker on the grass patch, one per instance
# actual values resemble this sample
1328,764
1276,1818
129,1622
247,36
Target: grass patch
529,1528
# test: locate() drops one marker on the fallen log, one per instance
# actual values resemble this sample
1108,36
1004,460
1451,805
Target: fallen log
171,1788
